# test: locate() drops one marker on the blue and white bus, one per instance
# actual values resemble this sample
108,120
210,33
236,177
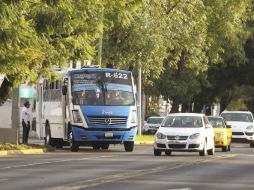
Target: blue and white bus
89,107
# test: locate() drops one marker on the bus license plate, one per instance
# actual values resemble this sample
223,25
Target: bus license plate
108,134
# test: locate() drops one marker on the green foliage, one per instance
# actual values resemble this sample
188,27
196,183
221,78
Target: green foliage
189,50
37,35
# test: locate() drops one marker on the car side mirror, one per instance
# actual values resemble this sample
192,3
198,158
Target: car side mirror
228,126
208,126
64,90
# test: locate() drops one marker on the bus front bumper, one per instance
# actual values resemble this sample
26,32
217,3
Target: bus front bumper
114,136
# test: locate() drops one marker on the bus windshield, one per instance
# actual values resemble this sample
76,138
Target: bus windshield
102,88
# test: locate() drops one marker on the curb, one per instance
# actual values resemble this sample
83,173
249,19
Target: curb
144,142
27,151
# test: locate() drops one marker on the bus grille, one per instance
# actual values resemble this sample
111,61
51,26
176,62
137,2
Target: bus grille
107,120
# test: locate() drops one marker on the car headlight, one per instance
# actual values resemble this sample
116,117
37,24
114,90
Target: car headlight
160,136
76,116
249,127
133,116
195,136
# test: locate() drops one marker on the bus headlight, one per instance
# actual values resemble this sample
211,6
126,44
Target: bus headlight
133,116
76,116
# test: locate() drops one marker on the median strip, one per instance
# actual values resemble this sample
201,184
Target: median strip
13,149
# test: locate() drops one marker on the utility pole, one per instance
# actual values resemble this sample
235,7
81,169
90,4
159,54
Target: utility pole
15,112
139,98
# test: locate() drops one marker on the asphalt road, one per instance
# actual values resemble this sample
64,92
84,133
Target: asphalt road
115,169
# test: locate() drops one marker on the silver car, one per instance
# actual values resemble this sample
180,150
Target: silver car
152,124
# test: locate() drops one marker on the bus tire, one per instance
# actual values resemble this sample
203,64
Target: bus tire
59,143
129,146
96,146
104,146
74,146
48,139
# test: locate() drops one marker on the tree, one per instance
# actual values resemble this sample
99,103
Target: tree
37,36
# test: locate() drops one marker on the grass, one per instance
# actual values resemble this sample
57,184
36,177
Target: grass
10,146
145,138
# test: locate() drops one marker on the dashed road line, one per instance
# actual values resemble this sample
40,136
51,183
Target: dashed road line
52,162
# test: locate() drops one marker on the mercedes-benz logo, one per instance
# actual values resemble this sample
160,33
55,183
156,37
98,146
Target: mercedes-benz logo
108,121
177,137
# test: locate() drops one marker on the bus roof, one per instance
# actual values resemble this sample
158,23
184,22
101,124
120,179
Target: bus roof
99,70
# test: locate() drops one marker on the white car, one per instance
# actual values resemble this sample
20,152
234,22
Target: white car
189,132
242,125
153,123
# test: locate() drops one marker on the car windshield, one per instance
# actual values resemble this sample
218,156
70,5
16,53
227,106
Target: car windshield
242,117
155,120
183,122
216,122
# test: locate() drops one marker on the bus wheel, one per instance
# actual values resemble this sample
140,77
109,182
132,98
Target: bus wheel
73,144
48,140
104,146
128,146
59,144
96,146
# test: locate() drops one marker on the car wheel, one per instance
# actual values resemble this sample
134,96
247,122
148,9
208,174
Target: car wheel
252,144
168,152
211,151
157,152
229,148
224,149
204,151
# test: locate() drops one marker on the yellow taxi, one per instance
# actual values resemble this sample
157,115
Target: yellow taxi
222,133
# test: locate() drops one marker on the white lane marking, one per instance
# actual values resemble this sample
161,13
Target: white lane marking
187,188
56,161
249,155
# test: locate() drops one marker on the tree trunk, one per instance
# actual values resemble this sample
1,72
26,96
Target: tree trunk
197,107
178,74
5,90
175,105
224,101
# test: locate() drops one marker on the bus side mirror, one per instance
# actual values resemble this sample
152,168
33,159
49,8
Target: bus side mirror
64,90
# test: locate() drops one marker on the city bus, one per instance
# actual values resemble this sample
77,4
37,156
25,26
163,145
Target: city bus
89,107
